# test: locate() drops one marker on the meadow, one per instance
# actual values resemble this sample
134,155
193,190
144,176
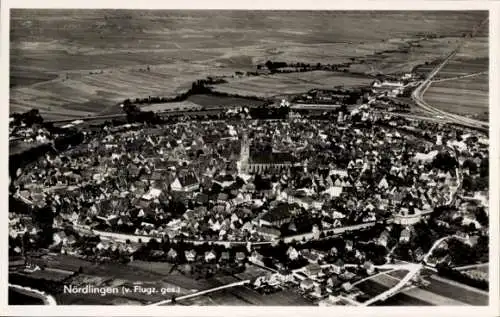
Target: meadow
76,63
466,96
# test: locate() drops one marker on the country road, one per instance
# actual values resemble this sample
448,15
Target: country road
460,77
200,293
419,92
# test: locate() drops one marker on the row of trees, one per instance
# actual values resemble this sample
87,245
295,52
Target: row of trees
265,112
29,118
279,67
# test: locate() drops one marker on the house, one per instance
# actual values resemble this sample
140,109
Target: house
349,245
172,254
334,251
405,236
185,183
269,233
153,193
333,191
224,257
71,240
256,258
224,181
307,285
333,282
312,257
383,184
240,256
210,256
338,266
383,239
292,253
277,216
285,276
312,270
102,246
318,291
273,279
190,255
369,267
59,237
347,286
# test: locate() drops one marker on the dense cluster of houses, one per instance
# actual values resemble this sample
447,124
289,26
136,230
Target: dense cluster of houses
317,280
186,179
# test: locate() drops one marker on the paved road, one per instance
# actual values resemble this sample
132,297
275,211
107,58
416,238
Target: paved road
434,246
413,269
200,293
419,92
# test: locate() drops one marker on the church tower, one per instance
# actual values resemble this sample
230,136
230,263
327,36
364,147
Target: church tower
245,153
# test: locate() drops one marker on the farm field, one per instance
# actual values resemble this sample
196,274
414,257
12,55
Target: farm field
252,272
471,58
75,63
467,296
291,83
456,68
432,298
203,101
406,57
210,101
372,288
466,96
242,295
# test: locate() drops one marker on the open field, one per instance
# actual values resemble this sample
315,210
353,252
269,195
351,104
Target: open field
291,83
210,101
252,272
242,295
406,57
473,57
401,299
155,267
372,288
74,63
458,293
466,96
456,68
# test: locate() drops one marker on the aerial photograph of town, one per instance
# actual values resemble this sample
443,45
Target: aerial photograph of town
248,158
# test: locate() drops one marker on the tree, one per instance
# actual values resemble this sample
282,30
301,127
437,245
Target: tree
153,244
481,216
